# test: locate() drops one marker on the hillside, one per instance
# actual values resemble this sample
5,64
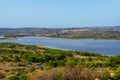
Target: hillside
75,33
27,62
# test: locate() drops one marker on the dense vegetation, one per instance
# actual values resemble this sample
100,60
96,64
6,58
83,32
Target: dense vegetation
28,62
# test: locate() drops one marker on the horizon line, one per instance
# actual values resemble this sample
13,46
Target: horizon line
62,27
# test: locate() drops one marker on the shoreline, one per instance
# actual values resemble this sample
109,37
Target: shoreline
14,38
10,38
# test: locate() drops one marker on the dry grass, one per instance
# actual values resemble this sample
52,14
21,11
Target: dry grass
69,74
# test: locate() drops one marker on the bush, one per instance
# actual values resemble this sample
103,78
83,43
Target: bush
117,74
105,75
23,77
113,61
5,59
16,58
71,62
13,77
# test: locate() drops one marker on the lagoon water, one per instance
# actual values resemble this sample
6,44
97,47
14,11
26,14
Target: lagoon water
1,36
108,47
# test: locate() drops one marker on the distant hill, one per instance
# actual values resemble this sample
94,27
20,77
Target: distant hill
86,32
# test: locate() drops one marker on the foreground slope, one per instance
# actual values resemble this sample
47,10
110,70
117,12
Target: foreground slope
28,62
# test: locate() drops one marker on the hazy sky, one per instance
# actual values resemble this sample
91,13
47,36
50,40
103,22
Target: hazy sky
59,13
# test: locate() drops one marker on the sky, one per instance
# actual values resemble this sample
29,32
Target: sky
59,13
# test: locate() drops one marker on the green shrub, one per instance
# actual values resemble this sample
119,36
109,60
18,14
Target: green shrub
5,59
13,77
71,62
16,58
117,74
23,77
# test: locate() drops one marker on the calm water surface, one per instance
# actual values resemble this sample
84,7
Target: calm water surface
1,36
109,47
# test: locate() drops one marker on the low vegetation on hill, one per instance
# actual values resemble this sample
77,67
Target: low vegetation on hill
28,62
74,33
